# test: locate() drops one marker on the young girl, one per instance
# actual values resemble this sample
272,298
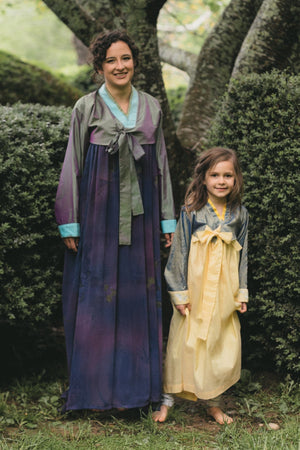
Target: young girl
207,280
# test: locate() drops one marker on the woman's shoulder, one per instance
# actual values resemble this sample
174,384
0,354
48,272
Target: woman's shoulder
86,101
149,99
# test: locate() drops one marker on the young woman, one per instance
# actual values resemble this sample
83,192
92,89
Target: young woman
114,190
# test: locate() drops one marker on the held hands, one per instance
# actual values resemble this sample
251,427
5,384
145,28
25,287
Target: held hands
182,308
71,243
169,239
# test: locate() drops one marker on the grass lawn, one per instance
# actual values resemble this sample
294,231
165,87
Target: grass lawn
30,419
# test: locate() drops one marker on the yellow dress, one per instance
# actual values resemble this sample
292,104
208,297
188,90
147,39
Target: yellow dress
207,267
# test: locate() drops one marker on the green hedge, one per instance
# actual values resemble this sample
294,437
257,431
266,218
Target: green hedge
26,83
32,141
259,118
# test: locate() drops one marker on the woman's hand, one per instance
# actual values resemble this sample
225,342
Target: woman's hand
182,308
72,243
169,239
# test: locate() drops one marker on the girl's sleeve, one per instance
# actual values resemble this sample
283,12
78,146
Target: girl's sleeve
177,266
67,197
167,210
243,265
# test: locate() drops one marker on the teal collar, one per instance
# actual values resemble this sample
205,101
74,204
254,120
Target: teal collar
127,120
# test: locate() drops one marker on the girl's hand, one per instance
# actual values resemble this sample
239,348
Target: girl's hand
243,308
169,239
182,308
71,243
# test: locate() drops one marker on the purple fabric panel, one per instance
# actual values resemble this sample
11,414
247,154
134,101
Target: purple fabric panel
112,294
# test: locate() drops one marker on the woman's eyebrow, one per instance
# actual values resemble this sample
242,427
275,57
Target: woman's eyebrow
114,57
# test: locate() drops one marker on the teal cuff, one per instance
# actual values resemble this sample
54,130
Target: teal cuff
168,226
69,230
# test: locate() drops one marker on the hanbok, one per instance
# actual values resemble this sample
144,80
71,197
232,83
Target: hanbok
113,192
207,268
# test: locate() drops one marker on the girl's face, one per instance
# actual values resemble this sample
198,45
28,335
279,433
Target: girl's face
219,181
118,67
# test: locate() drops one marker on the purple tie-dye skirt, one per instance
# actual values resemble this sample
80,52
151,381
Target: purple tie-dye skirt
112,293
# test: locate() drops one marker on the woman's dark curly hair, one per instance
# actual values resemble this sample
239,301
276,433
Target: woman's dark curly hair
101,43
196,195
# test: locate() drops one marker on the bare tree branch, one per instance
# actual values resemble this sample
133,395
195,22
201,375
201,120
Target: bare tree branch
193,26
176,57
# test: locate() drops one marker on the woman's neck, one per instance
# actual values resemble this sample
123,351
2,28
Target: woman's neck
120,96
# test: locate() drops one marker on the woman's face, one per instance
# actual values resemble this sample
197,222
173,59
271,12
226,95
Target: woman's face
118,67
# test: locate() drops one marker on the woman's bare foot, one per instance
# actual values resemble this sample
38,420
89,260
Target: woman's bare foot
161,415
219,416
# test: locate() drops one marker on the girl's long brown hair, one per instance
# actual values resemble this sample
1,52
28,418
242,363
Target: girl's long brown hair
196,195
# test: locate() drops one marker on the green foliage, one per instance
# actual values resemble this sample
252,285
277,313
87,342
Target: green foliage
23,82
32,141
259,118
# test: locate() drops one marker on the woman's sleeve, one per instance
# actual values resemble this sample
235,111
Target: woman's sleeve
67,197
176,271
243,265
167,213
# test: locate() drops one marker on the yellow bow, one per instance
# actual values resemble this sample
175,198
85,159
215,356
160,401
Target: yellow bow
213,270
204,237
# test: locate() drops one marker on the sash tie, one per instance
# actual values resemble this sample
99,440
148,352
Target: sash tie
214,254
130,195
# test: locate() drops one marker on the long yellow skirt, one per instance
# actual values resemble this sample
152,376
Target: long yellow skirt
203,356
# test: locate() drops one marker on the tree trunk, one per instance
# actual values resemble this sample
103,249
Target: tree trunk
82,51
215,63
271,38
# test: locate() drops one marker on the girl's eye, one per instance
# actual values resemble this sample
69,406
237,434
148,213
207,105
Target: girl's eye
109,61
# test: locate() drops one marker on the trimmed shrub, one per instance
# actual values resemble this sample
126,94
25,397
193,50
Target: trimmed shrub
32,141
20,81
259,118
